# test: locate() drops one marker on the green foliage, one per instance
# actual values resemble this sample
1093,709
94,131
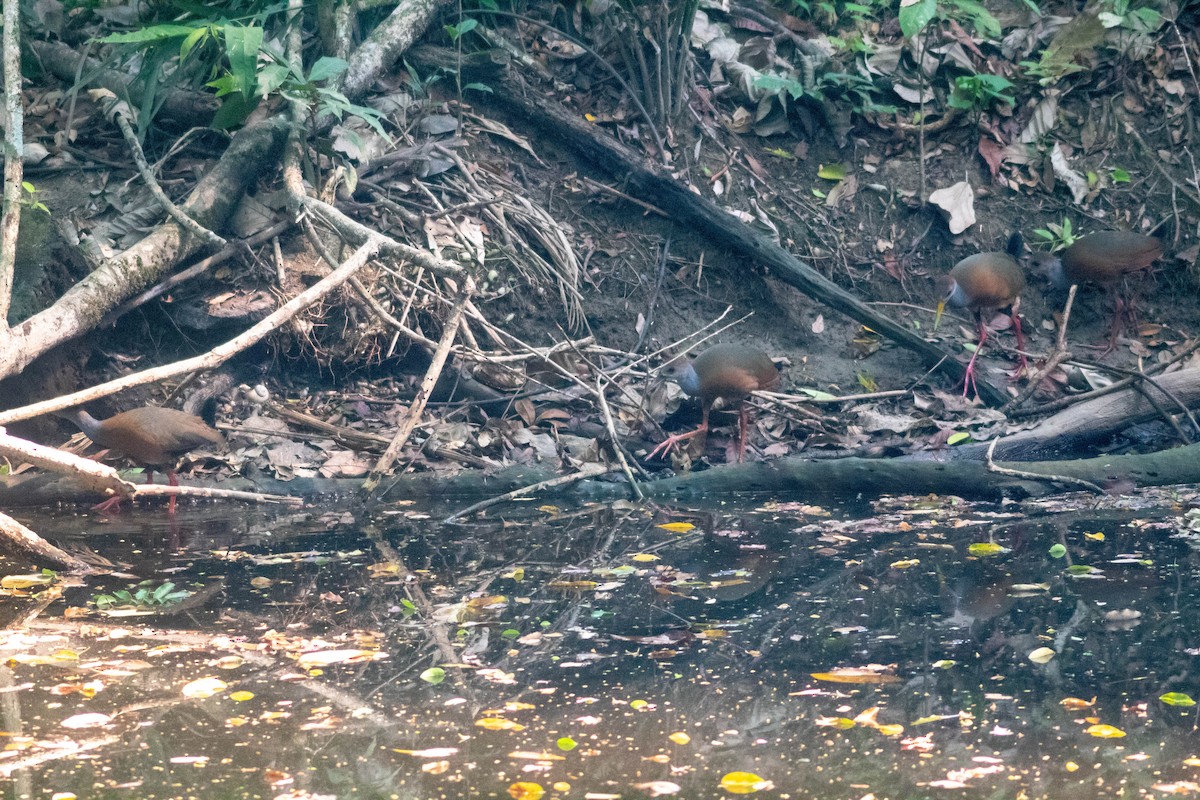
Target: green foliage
1059,236
29,198
978,92
142,596
832,87
1141,19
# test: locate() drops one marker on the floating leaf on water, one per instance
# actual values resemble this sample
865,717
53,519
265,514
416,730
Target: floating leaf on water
434,675
525,790
841,723
1104,732
1095,537
80,721
890,730
567,744
242,696
499,724
679,737
574,585
1076,704
1042,655
1177,699
677,527
1058,551
855,675
323,658
204,687
527,755
983,549
744,783
429,752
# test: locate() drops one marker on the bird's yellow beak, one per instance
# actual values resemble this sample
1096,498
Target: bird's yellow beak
938,317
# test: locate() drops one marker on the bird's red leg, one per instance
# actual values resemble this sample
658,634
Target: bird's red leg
671,442
743,426
174,481
969,378
1022,364
110,506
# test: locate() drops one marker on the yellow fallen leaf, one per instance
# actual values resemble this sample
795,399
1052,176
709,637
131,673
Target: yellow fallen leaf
242,696
499,724
744,783
644,557
905,563
679,737
677,527
1075,704
855,675
1104,732
323,658
524,790
204,687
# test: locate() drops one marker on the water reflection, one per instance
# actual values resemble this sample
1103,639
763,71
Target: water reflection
595,652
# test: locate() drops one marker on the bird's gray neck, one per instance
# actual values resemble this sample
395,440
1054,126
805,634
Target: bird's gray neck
1057,274
86,422
689,381
956,296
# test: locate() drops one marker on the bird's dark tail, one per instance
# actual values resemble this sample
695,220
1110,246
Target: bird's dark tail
1016,246
208,411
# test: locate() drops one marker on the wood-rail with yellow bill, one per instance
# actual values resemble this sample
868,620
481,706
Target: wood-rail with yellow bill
729,372
984,284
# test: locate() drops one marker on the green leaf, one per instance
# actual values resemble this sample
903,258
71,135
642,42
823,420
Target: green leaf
567,744
155,33
434,675
1058,551
326,68
1119,175
832,172
983,549
1177,699
193,39
241,47
478,87
467,25
956,437
915,15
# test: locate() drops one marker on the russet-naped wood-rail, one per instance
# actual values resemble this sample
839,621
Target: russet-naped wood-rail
149,436
729,372
983,284
1102,258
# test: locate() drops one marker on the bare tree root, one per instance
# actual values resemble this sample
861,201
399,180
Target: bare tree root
217,355
82,307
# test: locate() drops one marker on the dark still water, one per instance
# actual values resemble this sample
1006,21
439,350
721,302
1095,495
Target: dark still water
913,649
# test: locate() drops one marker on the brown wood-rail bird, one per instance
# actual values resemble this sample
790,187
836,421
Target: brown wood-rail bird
985,283
726,371
1102,258
149,436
